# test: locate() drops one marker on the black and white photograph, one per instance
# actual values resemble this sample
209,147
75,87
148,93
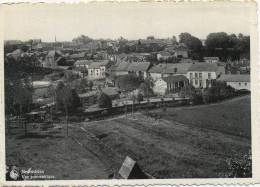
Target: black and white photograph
128,91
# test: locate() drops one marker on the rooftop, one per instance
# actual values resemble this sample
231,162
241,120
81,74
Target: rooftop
178,68
164,53
83,62
175,78
78,55
235,78
203,67
97,64
138,66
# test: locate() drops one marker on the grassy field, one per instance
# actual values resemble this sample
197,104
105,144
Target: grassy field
185,142
55,154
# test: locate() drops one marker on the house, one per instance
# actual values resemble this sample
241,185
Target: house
88,98
237,81
202,75
53,59
178,51
139,68
181,52
97,69
112,92
83,63
170,84
16,54
120,68
165,70
211,60
163,55
188,60
78,56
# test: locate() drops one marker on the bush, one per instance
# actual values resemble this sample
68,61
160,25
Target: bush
197,98
128,82
240,168
104,101
139,97
217,92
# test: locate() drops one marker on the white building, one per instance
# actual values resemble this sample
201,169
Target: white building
170,84
202,75
165,70
211,60
97,70
237,81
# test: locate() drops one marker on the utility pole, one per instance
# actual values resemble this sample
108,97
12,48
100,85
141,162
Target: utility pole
125,109
67,124
133,106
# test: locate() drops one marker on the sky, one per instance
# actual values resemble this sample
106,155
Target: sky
129,20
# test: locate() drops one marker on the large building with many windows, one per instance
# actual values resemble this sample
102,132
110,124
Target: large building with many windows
202,75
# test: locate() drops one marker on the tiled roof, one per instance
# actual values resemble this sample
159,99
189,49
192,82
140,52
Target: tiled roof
188,60
178,68
110,91
138,66
175,78
83,62
97,64
78,55
54,53
203,67
235,78
122,66
164,53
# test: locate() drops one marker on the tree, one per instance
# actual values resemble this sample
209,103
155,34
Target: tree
227,46
193,43
52,93
174,40
90,85
104,101
243,46
190,41
217,92
217,40
82,39
146,88
139,97
67,100
69,76
150,38
22,96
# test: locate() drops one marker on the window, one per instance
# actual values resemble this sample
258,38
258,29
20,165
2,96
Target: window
196,82
245,84
209,75
239,84
196,75
200,75
190,75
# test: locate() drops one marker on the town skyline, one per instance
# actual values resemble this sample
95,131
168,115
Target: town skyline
103,21
132,39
